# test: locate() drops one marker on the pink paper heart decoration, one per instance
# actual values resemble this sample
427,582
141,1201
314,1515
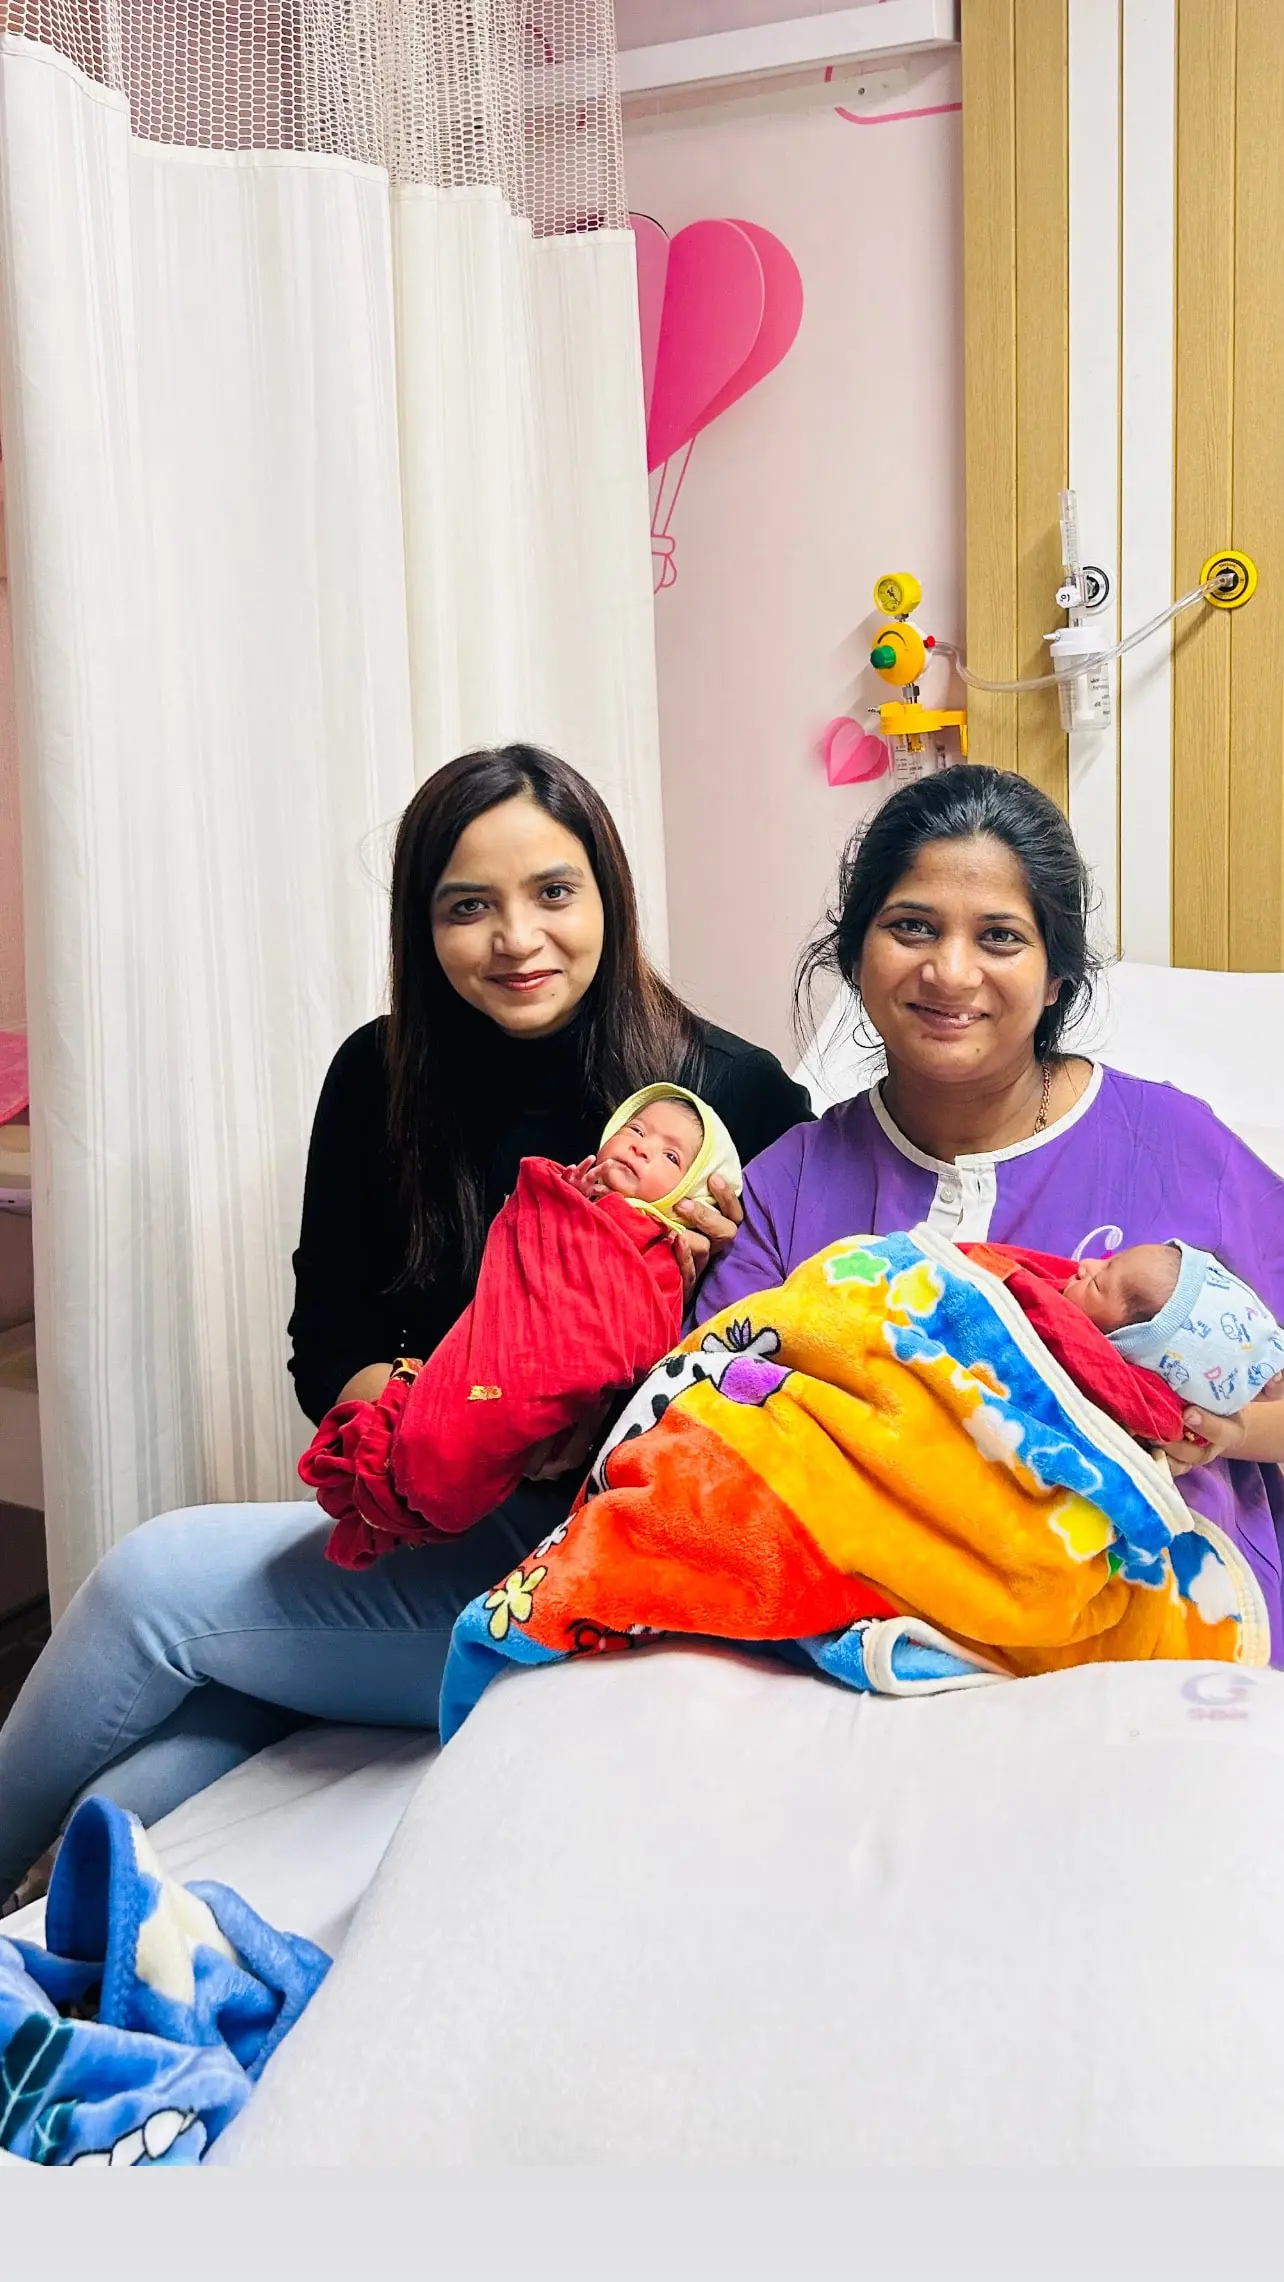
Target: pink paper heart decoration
714,296
652,245
781,318
851,755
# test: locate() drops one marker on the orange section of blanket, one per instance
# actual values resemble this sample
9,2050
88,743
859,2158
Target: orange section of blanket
690,1539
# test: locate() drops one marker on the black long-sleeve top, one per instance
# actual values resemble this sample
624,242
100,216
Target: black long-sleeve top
524,1100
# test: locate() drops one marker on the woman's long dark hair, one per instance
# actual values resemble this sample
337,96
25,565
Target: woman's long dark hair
631,1029
965,803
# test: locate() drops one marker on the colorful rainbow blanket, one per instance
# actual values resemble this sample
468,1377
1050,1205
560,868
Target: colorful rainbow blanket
881,1462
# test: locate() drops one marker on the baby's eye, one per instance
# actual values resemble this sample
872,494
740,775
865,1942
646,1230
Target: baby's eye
673,1157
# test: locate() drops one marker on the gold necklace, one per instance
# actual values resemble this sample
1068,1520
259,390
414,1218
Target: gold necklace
1042,1118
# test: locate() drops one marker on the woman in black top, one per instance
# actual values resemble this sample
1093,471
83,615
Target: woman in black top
523,1011
424,1118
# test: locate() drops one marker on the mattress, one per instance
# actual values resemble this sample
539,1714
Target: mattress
674,1906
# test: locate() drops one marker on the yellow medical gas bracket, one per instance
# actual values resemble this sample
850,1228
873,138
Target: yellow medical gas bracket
920,738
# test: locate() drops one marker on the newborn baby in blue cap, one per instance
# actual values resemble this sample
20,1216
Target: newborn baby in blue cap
1179,1312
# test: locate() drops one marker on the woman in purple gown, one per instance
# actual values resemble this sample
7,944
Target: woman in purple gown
962,926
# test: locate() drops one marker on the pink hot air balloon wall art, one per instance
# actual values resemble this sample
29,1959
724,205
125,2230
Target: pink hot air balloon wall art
720,305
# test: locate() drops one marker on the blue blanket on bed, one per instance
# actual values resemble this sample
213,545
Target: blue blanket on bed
137,2034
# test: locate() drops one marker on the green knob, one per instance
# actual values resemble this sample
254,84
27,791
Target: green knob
884,655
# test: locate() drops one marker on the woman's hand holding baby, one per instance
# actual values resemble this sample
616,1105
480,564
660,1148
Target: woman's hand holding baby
567,1453
1255,1434
1207,1436
709,1231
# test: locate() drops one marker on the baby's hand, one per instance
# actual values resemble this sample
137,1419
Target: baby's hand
584,1179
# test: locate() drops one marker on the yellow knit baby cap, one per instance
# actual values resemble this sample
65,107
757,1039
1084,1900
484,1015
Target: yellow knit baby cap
716,1153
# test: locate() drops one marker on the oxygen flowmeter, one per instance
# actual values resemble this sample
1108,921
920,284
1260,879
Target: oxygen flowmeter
1082,674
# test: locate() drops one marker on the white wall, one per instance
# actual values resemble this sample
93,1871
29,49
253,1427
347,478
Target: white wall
845,462
13,1002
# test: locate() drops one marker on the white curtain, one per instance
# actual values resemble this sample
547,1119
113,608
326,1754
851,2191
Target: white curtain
322,427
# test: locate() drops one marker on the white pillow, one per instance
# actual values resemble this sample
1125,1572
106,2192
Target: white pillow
1266,1142
1212,1034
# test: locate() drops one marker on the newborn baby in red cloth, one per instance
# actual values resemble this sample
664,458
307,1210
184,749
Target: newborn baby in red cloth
1164,1339
646,1158
1179,1312
1050,1293
578,1297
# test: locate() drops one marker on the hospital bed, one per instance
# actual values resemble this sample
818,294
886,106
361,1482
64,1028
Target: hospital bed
685,1907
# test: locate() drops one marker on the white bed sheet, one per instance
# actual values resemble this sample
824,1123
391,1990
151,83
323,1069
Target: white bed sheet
299,1831
674,1907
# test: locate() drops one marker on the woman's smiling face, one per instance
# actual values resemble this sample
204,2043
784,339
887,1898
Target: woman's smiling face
517,919
953,972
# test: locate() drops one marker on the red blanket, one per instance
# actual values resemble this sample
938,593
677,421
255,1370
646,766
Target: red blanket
574,1303
1138,1400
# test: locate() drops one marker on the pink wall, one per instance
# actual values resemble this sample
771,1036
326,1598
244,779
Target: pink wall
13,1002
847,461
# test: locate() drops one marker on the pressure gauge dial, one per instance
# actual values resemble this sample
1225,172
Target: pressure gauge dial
897,593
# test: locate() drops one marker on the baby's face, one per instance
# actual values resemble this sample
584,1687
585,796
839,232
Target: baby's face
648,1157
1130,1287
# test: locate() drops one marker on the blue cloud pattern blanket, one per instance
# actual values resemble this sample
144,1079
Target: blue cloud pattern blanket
136,2035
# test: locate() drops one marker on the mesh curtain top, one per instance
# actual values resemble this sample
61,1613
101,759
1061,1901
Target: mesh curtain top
456,94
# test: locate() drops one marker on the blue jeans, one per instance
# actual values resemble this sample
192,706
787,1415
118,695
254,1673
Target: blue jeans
205,1635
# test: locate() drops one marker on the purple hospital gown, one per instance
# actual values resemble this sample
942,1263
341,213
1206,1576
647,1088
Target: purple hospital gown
1132,1163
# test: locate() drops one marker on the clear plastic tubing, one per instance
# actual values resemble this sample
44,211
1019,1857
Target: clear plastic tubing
1085,664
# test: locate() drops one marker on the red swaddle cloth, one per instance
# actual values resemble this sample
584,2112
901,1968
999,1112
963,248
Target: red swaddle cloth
1137,1399
574,1302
